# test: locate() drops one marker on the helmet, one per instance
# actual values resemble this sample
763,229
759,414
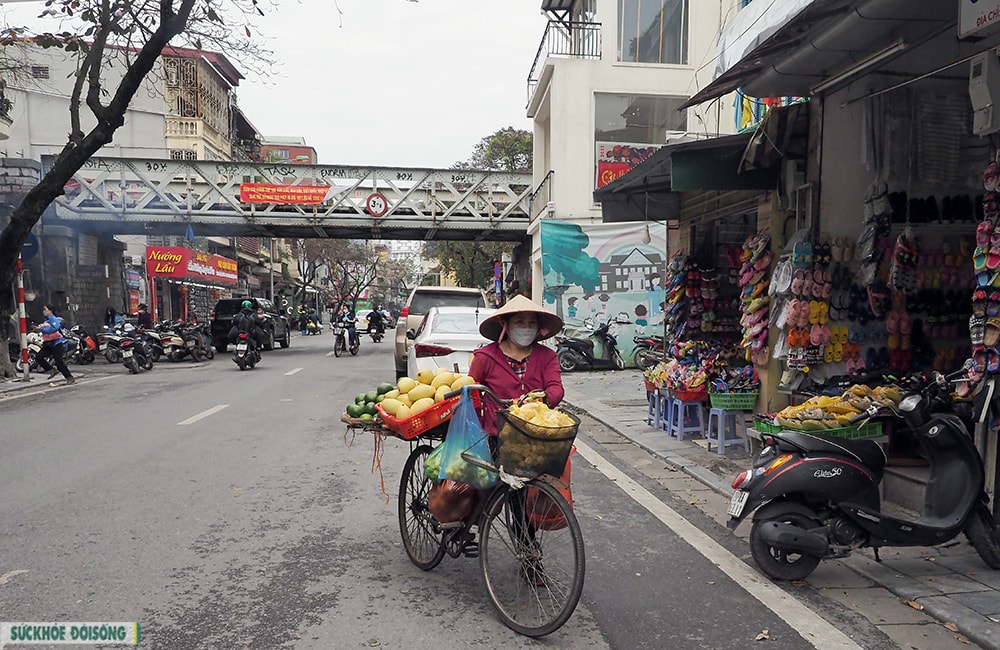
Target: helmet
247,304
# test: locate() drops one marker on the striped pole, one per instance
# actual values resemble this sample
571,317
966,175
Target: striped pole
23,317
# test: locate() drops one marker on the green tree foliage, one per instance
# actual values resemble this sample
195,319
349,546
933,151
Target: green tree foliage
105,36
508,150
471,263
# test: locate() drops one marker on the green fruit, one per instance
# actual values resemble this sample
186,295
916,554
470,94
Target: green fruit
380,397
355,410
366,416
371,396
359,398
385,388
370,408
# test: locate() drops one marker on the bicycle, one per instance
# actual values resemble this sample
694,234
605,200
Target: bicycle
530,546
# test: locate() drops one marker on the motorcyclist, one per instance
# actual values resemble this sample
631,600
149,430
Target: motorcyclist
248,320
350,320
376,320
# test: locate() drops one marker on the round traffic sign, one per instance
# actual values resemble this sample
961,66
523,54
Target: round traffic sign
30,247
376,204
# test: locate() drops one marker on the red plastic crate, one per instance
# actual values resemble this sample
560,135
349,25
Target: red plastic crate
426,420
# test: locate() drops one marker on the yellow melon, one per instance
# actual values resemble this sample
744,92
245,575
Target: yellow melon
392,394
443,379
425,376
421,405
441,392
420,391
461,380
391,405
404,398
405,385
403,412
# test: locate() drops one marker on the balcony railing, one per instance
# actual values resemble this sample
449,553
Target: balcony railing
570,40
541,197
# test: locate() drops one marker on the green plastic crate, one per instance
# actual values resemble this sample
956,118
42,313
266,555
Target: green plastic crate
867,430
733,401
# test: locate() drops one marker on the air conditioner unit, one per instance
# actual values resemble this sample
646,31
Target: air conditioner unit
984,92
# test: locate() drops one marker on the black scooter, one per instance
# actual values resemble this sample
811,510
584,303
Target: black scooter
816,497
245,354
576,353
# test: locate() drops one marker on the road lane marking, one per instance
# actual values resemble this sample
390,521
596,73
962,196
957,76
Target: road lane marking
293,371
800,618
202,415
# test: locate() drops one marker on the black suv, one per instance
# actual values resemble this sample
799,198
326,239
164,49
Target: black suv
276,327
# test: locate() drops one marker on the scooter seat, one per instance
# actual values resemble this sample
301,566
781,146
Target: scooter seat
868,452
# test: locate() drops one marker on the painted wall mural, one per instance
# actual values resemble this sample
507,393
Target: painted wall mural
604,272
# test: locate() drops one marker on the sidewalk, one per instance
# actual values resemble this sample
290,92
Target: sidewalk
950,582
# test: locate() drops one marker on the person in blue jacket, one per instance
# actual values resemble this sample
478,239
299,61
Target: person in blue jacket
53,345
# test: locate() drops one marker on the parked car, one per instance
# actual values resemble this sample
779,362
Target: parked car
446,338
419,302
276,327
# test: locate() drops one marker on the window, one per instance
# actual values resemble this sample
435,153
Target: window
40,71
631,128
280,155
182,154
653,31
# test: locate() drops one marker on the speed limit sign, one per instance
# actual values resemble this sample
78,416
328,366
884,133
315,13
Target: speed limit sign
377,204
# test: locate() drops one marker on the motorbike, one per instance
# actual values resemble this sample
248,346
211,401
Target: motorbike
376,334
648,351
81,346
340,343
154,340
135,353
34,347
245,354
815,497
313,327
575,353
109,343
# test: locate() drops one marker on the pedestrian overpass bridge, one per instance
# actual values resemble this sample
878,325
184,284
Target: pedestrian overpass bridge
214,198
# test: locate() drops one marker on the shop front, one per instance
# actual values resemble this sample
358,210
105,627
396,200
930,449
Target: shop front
883,260
185,284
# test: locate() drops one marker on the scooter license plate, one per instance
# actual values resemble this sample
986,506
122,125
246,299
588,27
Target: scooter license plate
738,502
104,346
191,344
127,353
241,347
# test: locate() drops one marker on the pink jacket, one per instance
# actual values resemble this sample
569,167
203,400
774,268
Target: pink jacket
491,368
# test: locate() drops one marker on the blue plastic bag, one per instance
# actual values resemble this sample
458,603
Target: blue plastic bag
465,434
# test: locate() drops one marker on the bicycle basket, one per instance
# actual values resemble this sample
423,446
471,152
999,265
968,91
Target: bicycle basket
528,449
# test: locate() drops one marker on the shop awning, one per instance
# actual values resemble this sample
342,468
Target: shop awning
653,186
787,49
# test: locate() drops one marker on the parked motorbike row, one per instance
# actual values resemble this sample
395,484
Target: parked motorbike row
134,347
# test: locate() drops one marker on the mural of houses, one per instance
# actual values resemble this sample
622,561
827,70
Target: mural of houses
631,271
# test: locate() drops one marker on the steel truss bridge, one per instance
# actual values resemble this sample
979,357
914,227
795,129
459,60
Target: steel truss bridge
165,197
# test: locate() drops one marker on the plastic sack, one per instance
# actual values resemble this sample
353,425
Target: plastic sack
432,464
451,501
466,435
542,513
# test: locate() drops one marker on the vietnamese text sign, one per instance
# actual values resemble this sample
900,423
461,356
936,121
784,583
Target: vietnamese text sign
184,263
266,193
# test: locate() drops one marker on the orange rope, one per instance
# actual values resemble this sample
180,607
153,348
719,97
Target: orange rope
377,463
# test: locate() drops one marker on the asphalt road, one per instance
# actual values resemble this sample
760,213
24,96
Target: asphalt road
228,509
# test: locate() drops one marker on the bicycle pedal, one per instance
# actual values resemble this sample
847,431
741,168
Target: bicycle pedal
471,549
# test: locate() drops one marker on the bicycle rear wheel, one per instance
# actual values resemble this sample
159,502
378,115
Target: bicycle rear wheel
534,576
418,528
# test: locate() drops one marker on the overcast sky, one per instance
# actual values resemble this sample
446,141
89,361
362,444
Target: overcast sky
389,82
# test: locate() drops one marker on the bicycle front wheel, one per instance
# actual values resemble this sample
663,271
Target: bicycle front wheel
532,559
418,528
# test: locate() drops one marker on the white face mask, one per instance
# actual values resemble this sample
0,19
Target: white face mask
523,336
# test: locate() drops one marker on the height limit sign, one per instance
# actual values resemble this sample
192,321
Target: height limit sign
376,204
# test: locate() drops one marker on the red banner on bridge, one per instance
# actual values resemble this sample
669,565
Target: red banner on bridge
186,264
266,193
